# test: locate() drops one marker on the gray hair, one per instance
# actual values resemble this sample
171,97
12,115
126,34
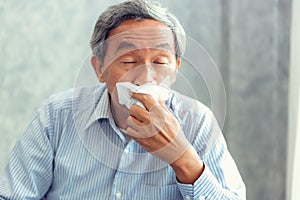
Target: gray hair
134,9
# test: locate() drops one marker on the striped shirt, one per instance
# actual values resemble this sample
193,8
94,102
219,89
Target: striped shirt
72,149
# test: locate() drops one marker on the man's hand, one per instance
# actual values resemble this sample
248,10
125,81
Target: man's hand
158,132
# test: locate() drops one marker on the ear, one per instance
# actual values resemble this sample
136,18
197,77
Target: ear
178,64
173,77
96,63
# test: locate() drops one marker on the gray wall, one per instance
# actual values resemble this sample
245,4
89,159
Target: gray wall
259,94
249,40
43,44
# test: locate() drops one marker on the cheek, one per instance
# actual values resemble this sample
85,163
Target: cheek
112,75
124,75
166,73
110,80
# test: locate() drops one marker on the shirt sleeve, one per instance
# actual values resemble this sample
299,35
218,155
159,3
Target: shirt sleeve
220,178
28,174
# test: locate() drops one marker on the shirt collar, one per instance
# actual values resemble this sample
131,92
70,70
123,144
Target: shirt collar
102,110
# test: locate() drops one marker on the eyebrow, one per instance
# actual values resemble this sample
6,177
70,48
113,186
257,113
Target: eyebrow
126,45
165,46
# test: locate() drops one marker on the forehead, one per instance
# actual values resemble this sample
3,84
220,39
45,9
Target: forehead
136,24
146,33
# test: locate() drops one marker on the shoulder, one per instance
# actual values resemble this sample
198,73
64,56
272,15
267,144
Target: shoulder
60,108
197,121
75,98
185,106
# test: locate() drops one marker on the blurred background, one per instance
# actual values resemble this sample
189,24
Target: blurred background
253,43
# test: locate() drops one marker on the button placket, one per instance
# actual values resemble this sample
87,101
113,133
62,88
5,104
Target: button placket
126,151
187,197
118,195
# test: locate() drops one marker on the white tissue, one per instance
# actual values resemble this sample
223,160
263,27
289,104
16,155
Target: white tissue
124,90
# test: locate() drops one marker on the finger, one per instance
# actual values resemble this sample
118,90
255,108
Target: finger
160,101
133,133
144,131
140,114
146,99
134,123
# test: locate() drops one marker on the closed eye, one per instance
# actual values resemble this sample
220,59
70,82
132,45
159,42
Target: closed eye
129,62
161,63
161,60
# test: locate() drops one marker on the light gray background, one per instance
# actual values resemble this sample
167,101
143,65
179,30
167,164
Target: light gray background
43,44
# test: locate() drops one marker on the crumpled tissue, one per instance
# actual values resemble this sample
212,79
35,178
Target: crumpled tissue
125,89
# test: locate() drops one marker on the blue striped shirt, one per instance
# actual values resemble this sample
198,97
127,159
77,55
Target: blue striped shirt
72,149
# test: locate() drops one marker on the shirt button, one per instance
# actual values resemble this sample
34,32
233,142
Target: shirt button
201,198
118,195
126,151
187,197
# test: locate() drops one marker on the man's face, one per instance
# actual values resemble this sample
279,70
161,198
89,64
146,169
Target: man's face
139,52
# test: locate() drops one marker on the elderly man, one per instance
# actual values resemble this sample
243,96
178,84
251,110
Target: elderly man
130,137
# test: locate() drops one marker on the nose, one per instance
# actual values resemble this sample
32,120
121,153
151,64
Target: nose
144,74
